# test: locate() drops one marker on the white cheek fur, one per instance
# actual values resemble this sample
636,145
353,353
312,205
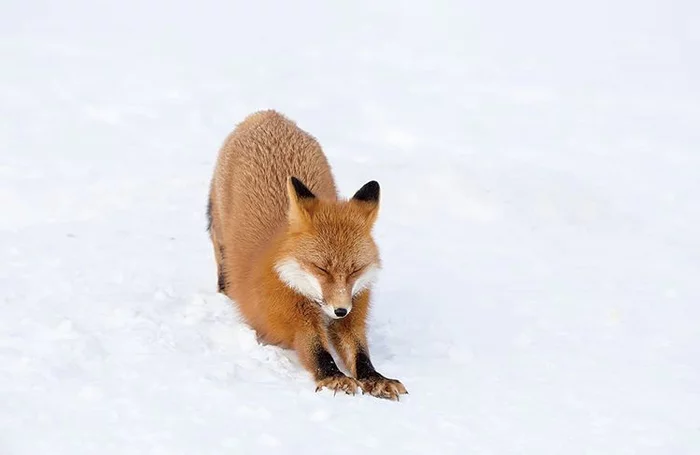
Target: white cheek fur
365,280
294,276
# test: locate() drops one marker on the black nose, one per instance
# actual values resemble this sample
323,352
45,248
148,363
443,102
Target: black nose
340,312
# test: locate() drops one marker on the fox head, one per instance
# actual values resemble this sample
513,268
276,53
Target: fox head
328,254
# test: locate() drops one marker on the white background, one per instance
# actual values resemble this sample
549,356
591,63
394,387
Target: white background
540,170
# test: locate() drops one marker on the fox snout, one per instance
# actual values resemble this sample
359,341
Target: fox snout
337,309
335,312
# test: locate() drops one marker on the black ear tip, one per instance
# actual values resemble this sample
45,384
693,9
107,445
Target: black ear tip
368,193
301,189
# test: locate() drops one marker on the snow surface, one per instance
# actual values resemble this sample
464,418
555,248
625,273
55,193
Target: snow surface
540,169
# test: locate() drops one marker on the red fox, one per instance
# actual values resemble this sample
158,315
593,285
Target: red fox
297,260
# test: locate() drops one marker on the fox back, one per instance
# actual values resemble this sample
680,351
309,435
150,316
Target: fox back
249,188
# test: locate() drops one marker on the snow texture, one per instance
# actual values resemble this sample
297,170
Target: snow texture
540,170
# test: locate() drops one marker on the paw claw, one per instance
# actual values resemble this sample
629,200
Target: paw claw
381,387
338,383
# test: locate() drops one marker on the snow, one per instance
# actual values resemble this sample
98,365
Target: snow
540,171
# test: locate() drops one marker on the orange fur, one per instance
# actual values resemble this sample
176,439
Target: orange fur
291,254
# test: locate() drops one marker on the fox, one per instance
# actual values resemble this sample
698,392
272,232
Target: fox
297,260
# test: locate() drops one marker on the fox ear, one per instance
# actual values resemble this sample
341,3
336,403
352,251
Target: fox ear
367,198
300,190
300,201
368,193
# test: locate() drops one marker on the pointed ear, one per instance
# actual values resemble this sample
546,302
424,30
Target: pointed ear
367,198
300,190
301,200
368,193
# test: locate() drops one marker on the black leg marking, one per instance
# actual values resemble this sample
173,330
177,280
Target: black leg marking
364,367
209,215
325,365
222,282
222,274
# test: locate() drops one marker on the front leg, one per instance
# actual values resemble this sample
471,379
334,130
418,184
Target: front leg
350,341
312,349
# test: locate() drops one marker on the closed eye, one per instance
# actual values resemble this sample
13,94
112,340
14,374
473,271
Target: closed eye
356,271
322,269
